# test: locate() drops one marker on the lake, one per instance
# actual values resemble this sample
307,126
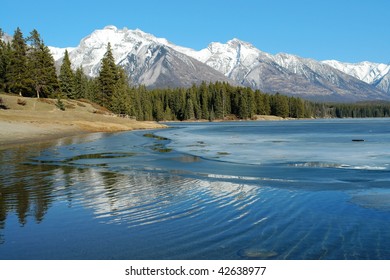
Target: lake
305,189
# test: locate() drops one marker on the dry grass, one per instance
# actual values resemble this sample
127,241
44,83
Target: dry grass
39,118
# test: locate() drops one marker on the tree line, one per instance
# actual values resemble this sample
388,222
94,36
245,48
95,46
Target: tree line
27,68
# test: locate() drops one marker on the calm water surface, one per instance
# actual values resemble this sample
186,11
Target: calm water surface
243,190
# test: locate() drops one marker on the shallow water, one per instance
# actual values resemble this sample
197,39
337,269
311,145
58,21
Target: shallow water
243,190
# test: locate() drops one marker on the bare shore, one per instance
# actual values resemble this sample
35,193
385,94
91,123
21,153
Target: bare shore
31,120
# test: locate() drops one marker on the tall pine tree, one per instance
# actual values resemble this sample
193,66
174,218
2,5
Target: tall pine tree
67,77
120,102
17,72
81,85
41,67
108,76
4,61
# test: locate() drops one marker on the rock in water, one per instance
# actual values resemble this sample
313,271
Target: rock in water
256,253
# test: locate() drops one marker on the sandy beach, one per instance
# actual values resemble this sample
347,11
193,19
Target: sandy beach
31,120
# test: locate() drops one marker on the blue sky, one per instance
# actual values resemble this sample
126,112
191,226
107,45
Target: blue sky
349,31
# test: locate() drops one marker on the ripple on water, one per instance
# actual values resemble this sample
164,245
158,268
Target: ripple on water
256,253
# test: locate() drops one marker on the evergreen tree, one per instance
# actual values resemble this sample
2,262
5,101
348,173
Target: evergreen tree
4,61
80,85
189,113
212,114
168,116
158,112
204,96
120,100
297,108
41,67
194,93
67,78
251,102
17,73
243,105
280,106
108,76
219,102
265,105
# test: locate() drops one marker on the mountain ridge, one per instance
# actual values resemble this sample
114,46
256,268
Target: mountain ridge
157,62
285,73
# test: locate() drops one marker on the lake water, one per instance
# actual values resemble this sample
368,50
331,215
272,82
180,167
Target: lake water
316,189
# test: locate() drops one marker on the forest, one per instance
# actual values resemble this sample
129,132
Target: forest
27,68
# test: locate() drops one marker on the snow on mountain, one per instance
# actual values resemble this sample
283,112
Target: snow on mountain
383,83
58,53
147,59
284,73
368,72
377,74
156,62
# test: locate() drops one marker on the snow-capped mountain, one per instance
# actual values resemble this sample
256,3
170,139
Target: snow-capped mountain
285,73
147,59
377,74
156,62
58,53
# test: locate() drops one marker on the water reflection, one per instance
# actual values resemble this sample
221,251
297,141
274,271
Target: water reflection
139,198
27,190
32,182
23,189
172,205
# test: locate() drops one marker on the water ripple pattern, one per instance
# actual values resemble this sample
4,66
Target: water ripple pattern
246,190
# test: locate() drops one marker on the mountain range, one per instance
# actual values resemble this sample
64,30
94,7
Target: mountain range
156,62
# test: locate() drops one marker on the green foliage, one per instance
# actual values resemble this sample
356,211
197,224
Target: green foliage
108,76
41,67
356,110
214,101
67,78
29,70
59,104
280,106
4,62
81,85
17,78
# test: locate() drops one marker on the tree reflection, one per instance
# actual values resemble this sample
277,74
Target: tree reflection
25,189
30,185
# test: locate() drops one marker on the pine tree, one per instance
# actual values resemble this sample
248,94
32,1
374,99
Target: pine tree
80,84
67,78
41,67
280,106
219,105
3,61
17,73
108,76
189,113
158,110
168,114
120,102
243,112
204,100
266,105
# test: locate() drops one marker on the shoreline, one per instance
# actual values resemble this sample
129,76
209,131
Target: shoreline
26,120
19,133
